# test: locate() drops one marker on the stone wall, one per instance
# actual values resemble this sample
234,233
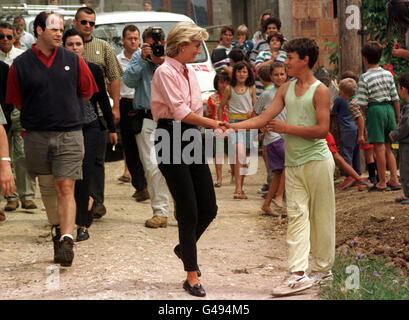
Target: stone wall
315,19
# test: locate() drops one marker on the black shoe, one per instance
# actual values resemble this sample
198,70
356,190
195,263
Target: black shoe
197,290
98,210
176,250
82,234
66,252
56,241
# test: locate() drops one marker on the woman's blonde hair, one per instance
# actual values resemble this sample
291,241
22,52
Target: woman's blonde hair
183,32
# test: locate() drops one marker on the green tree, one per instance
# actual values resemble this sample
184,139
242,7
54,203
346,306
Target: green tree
375,19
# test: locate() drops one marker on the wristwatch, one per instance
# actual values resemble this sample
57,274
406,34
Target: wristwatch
5,159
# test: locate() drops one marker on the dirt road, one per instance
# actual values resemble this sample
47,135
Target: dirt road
242,255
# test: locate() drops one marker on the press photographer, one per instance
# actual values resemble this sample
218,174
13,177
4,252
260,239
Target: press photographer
138,75
153,49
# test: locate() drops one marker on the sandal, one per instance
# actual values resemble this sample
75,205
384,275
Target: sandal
218,184
239,195
393,188
363,185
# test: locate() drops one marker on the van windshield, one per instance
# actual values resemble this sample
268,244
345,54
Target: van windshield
112,33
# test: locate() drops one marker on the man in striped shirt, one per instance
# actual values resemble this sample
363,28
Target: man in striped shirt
379,100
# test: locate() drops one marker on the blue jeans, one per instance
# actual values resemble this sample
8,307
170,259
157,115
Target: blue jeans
350,150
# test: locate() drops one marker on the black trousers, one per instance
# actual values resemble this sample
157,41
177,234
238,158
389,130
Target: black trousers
92,135
191,186
97,181
133,161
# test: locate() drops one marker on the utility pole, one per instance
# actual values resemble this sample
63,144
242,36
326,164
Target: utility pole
350,36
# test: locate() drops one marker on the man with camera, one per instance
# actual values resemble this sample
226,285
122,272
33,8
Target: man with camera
138,75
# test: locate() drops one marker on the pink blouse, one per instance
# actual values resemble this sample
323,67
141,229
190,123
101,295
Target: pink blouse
172,95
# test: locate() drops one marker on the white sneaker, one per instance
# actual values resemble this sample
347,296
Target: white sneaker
320,278
298,282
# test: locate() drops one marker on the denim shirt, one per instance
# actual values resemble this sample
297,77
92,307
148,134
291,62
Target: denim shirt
138,75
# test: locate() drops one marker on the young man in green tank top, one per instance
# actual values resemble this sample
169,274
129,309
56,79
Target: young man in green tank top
309,165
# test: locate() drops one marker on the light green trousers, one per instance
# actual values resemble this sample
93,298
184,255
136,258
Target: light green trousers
311,215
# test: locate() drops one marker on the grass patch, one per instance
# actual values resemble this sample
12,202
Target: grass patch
358,277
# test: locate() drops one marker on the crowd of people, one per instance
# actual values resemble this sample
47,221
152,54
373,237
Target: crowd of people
56,119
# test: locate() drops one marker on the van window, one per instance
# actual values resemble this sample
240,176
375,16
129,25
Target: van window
112,33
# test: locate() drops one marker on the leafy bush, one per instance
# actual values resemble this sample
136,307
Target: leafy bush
375,19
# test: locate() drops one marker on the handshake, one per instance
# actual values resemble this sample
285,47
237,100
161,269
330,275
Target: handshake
223,129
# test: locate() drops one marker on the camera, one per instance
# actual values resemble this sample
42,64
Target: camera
157,49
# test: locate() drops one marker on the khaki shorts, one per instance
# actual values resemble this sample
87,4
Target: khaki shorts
54,153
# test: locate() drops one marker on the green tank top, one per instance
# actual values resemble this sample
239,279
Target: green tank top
301,112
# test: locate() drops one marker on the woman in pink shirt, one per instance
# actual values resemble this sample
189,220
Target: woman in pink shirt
176,105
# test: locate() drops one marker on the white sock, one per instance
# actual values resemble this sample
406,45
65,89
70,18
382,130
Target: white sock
66,235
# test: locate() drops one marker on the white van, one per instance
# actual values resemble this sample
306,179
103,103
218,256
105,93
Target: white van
109,26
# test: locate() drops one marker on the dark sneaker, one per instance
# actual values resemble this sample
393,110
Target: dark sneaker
66,252
82,234
56,241
98,210
141,195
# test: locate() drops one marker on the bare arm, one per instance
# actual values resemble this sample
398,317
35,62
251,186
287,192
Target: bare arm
113,89
361,126
224,102
193,118
271,112
7,184
396,107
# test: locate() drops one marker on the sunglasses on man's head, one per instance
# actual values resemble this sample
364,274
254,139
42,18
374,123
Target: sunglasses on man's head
84,22
9,37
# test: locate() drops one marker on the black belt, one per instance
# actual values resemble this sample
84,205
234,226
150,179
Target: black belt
143,113
164,123
127,100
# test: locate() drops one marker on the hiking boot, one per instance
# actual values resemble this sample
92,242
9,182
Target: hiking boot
56,241
141,195
320,278
66,252
157,222
11,205
2,215
98,210
298,282
28,204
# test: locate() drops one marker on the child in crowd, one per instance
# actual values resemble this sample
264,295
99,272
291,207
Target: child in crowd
242,41
349,133
361,182
274,54
221,81
262,102
379,101
401,134
349,93
240,98
273,143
